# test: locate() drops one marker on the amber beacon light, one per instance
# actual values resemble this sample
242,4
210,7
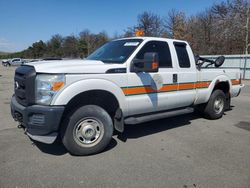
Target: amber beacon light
139,33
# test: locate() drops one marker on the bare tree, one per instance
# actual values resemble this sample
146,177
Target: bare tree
70,47
175,24
88,37
219,29
150,23
54,46
93,41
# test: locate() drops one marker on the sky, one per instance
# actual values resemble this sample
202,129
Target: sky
23,22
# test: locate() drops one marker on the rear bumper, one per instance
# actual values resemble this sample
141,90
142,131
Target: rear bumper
241,86
41,122
236,89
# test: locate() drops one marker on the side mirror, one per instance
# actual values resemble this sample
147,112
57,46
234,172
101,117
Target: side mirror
219,61
150,63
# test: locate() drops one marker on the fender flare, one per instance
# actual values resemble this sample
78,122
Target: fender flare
215,81
73,89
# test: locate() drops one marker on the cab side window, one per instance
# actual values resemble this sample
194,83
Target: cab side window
182,54
159,47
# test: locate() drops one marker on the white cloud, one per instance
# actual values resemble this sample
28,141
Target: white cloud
8,46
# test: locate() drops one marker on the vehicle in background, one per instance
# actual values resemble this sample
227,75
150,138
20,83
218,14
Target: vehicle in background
52,58
13,62
5,62
34,60
19,61
16,62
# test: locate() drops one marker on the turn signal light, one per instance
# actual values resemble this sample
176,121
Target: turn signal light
155,65
57,85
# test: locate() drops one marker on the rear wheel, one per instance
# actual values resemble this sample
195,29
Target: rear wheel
87,131
215,107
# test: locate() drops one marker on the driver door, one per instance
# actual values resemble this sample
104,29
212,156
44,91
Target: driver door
151,92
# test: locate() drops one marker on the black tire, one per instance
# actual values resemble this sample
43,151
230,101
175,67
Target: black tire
215,107
87,124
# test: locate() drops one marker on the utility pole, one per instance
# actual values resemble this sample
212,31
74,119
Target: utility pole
247,44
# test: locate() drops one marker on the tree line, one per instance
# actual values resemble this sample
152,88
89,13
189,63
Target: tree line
65,47
220,29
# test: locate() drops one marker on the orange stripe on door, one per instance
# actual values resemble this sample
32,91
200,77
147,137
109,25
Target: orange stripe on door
186,86
138,90
169,88
202,84
166,88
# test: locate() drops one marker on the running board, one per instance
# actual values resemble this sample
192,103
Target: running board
155,116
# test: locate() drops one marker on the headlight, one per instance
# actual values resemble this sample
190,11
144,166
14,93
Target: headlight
47,86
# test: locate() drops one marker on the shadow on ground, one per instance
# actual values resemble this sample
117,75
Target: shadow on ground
57,148
130,132
153,127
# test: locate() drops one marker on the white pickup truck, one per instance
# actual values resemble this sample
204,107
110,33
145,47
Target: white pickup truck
126,81
13,62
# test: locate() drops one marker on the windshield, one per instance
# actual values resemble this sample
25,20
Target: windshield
115,51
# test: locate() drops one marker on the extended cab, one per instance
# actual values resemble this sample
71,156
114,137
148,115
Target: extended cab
126,81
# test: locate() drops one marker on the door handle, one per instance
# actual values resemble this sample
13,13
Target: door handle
175,78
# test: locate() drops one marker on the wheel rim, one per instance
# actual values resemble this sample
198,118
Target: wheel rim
88,132
218,105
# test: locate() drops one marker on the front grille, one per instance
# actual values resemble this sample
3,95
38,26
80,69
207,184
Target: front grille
24,83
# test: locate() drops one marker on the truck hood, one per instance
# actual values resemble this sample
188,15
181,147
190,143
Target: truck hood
73,66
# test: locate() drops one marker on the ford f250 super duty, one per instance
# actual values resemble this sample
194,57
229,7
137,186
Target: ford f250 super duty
126,81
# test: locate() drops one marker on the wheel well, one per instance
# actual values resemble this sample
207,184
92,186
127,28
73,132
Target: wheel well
101,98
224,86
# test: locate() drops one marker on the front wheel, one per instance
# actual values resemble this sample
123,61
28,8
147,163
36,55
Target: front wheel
87,131
215,107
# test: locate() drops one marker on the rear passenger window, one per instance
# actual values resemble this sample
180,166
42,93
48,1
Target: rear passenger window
182,55
159,47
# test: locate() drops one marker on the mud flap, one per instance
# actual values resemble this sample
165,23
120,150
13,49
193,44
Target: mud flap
228,102
119,121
